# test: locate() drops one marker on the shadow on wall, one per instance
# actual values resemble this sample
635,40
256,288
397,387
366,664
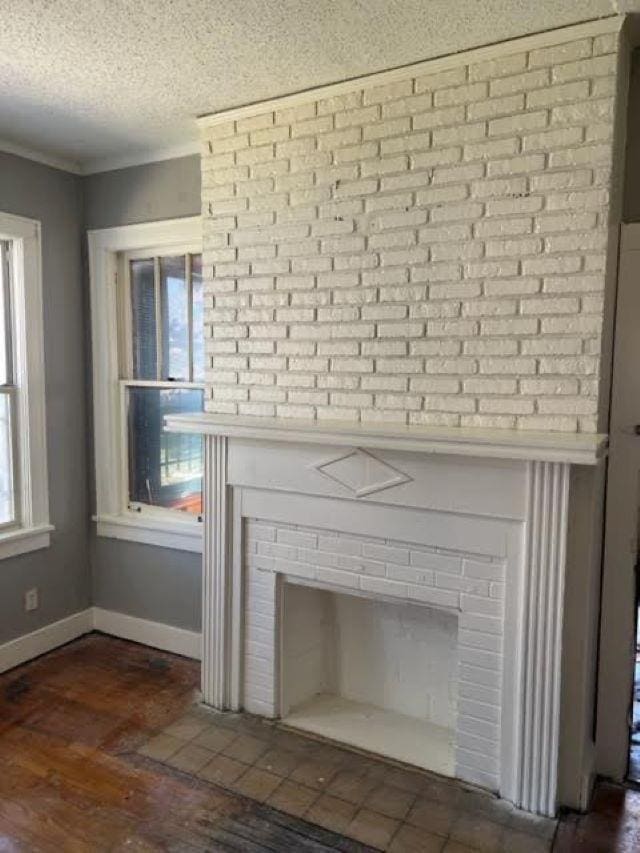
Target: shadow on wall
631,201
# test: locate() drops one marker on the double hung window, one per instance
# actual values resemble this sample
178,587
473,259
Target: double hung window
147,321
162,374
24,497
9,504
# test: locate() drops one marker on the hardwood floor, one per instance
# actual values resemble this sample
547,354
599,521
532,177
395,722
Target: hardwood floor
612,825
70,779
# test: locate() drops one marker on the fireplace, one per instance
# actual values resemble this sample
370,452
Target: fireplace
370,672
398,640
399,590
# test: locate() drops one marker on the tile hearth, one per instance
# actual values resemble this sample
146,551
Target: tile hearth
372,801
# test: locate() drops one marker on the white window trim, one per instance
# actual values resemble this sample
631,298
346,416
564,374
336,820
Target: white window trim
112,517
33,531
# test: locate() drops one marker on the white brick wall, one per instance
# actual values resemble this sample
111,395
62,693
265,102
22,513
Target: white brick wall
470,586
430,251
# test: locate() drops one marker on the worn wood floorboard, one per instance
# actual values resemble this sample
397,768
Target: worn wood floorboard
70,780
612,825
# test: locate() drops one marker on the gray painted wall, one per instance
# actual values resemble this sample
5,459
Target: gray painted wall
152,583
61,572
165,190
159,584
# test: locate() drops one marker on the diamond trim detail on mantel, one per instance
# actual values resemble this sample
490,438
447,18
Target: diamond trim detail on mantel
532,544
361,472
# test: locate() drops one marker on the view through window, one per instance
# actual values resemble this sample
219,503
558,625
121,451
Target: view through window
634,746
164,375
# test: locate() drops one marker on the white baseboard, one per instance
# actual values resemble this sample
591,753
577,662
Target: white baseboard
154,634
30,646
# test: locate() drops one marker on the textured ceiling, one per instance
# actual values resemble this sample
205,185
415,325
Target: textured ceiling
101,81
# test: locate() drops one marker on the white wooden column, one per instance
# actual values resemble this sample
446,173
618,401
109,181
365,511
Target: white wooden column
542,597
216,576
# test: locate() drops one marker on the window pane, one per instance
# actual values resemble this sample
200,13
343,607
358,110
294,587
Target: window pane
175,318
5,339
7,509
143,310
198,318
165,469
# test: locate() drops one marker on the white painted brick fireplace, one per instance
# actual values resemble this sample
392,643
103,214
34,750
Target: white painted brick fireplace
474,525
464,583
408,280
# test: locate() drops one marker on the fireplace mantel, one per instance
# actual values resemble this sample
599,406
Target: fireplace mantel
532,446
500,494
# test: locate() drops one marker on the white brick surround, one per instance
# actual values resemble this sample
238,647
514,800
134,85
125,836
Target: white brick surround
431,251
470,585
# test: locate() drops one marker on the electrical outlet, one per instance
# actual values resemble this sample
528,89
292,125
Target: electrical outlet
31,599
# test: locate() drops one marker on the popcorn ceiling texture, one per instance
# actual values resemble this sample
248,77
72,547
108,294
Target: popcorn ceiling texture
427,252
63,93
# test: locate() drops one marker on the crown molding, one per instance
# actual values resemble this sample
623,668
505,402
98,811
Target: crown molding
52,160
610,24
140,158
103,164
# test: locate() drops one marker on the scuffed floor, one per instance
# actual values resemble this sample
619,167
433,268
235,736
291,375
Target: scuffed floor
611,826
103,749
363,798
72,781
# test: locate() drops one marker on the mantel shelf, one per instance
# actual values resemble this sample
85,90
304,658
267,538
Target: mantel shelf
571,448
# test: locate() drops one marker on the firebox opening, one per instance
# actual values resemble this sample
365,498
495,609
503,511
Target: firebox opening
375,674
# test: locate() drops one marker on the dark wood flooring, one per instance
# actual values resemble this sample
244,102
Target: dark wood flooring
70,778
612,825
71,723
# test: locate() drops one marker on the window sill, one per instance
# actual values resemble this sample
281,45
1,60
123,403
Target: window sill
181,535
21,540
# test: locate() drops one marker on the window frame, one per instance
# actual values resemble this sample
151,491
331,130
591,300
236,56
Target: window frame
111,334
31,529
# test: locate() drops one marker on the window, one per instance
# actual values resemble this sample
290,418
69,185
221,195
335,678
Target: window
148,362
162,364
24,506
8,474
